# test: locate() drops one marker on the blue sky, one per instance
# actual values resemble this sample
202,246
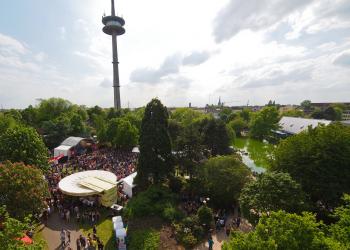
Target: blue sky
179,51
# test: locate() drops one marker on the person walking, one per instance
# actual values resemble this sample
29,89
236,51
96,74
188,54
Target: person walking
78,244
210,243
63,238
68,235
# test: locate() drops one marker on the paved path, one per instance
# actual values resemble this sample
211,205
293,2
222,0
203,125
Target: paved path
51,232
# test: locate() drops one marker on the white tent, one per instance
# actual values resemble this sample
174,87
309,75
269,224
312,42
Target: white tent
62,149
128,184
136,150
118,225
120,233
117,219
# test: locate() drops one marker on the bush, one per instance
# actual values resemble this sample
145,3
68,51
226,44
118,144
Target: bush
189,241
153,201
171,214
189,231
205,215
148,239
176,183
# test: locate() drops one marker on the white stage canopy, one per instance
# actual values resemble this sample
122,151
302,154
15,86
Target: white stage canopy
88,183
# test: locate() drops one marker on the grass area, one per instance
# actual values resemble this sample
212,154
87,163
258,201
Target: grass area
38,237
104,230
147,239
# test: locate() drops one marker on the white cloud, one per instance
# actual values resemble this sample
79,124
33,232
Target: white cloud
254,15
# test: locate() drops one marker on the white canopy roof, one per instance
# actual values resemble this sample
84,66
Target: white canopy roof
87,183
119,233
136,150
129,180
295,125
72,141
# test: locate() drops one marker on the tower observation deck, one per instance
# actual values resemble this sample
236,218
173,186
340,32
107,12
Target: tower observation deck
113,26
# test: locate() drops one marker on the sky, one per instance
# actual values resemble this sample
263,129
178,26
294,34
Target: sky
244,51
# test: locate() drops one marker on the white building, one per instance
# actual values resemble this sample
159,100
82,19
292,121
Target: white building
295,125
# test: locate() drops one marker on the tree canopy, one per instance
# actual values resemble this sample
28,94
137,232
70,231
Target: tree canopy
264,122
156,160
120,133
23,144
216,136
318,159
222,179
283,231
271,191
22,189
12,230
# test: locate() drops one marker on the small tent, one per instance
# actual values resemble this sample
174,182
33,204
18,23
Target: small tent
128,184
62,150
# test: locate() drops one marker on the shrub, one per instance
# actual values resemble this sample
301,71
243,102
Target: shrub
171,214
153,201
148,239
176,183
189,241
205,215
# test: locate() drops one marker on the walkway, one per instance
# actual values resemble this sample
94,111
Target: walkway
51,232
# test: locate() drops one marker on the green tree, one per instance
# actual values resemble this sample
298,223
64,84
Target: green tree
238,125
225,114
187,116
215,136
283,231
264,122
23,144
318,159
155,161
245,114
52,108
205,215
30,116
121,133
222,179
78,127
6,122
340,230
22,189
190,151
293,113
12,230
333,114
271,191
306,104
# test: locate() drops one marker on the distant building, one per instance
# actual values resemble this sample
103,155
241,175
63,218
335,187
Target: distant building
346,115
295,125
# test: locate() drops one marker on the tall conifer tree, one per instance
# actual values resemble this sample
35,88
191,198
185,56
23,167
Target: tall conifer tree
155,161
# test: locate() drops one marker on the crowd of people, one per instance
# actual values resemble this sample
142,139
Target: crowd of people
121,163
82,210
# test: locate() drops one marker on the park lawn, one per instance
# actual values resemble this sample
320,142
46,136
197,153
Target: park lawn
105,231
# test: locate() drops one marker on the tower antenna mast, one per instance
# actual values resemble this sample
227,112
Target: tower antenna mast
113,26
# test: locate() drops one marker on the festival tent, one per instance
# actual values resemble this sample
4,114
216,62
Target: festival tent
128,184
136,150
118,225
117,219
62,150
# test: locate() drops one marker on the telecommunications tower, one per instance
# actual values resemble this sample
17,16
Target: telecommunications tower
113,25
